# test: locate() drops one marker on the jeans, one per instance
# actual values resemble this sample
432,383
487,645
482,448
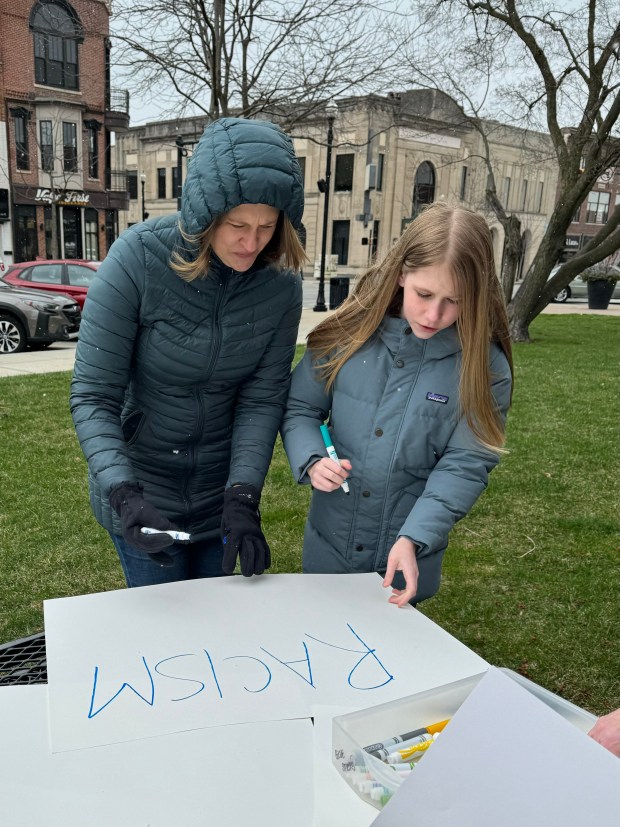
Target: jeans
202,559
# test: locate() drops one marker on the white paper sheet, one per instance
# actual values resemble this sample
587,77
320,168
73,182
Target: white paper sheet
508,759
141,662
251,774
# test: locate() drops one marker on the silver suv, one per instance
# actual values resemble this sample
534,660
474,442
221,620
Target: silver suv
36,318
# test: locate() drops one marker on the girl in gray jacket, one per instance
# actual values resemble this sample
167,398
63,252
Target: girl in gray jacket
183,362
413,373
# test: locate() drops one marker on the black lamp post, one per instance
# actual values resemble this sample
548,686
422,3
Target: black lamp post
331,111
181,153
145,215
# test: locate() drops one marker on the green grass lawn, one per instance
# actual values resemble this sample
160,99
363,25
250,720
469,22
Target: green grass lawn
531,579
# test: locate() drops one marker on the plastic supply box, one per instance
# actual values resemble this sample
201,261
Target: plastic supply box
373,779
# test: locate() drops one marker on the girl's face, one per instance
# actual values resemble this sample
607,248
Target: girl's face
243,234
430,299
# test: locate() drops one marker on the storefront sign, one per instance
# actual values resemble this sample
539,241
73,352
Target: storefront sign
571,241
64,198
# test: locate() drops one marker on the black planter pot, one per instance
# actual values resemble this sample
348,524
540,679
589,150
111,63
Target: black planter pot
599,293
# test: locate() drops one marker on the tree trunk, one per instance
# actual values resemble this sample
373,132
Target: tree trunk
513,250
519,330
523,309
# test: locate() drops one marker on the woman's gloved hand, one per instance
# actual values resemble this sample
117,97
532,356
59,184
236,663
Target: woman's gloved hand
135,512
242,535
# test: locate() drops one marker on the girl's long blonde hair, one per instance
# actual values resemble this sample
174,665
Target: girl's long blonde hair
461,239
284,250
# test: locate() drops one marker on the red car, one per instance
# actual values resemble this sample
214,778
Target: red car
71,277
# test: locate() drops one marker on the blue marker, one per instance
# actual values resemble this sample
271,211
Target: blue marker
331,453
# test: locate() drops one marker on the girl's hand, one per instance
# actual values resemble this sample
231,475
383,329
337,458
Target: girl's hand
327,475
607,732
402,558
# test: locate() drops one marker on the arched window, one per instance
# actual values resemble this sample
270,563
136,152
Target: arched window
57,30
423,187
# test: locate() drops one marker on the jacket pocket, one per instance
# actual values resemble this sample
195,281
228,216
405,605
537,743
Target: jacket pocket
132,425
401,510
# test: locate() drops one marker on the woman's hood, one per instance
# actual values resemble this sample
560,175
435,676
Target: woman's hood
239,161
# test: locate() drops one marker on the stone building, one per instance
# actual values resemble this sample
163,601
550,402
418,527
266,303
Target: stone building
59,193
394,154
390,155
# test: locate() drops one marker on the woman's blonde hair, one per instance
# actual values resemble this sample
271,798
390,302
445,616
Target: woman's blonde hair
284,250
440,234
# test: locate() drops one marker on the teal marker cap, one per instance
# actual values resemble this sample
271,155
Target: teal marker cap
326,436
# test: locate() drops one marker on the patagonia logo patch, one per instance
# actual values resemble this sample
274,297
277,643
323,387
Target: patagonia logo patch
437,397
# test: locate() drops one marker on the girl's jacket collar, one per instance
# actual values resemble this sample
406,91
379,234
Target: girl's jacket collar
392,332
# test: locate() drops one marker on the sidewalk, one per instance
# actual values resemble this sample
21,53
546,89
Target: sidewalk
60,356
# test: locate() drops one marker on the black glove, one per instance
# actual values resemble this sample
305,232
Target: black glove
134,511
241,532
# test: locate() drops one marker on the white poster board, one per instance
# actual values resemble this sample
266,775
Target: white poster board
141,662
225,776
336,804
508,759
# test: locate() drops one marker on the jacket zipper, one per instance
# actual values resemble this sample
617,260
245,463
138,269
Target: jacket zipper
384,514
216,328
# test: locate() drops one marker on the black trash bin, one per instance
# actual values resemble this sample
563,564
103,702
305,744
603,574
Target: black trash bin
338,291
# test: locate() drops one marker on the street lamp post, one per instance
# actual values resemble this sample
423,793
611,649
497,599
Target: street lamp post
145,215
181,153
331,111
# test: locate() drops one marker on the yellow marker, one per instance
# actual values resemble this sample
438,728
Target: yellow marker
407,753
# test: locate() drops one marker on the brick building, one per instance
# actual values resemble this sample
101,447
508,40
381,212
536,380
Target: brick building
602,200
59,195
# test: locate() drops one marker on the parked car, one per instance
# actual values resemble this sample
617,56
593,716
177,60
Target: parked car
578,289
35,318
71,277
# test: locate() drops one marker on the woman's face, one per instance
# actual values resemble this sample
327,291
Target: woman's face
430,299
243,234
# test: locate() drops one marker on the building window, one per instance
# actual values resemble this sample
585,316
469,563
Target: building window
343,178
175,183
577,216
69,147
111,228
57,31
4,204
72,232
539,197
524,187
26,245
302,166
340,240
91,236
506,191
22,149
47,218
92,133
132,184
46,138
161,182
374,242
423,186
380,168
598,208
463,193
